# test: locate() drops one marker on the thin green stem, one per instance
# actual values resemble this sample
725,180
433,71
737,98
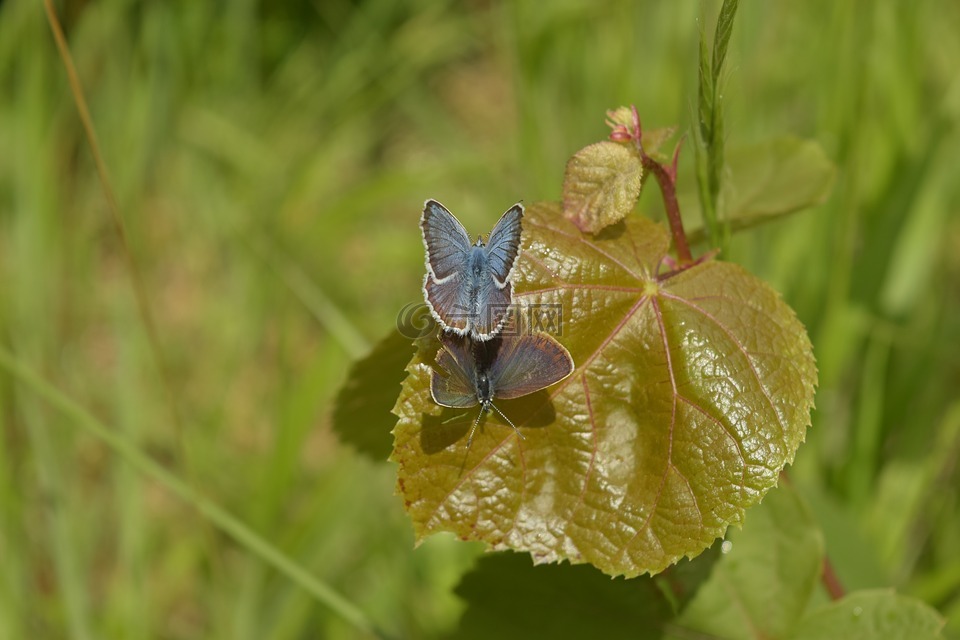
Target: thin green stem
710,133
222,519
139,288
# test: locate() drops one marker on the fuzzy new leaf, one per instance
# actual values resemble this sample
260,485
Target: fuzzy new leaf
601,185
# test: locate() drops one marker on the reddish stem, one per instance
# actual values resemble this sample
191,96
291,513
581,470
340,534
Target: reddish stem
828,576
830,580
666,176
668,188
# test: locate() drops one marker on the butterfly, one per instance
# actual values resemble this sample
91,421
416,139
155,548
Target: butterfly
467,287
507,366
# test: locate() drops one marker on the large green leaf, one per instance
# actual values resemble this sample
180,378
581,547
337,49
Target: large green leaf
878,614
508,598
691,392
776,177
766,181
769,570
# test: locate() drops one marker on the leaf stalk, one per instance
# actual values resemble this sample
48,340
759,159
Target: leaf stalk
666,175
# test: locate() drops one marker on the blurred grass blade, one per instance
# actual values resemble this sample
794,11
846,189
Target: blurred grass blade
222,519
313,298
139,288
65,553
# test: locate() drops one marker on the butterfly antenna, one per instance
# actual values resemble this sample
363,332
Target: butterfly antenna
508,421
473,429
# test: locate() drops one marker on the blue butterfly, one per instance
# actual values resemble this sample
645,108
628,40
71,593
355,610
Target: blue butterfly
467,287
508,366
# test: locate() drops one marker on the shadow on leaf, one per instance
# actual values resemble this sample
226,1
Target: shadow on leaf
452,425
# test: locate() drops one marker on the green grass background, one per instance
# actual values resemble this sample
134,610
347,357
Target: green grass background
270,161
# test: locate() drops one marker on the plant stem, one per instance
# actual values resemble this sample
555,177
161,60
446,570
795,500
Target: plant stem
668,188
666,176
830,580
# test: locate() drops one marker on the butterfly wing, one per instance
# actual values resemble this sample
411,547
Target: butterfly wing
503,245
527,363
449,303
493,302
448,253
446,241
459,387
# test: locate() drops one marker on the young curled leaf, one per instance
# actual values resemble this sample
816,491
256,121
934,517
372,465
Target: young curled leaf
621,116
691,392
654,139
622,120
601,185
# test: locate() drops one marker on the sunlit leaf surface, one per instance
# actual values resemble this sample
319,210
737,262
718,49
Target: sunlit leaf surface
690,394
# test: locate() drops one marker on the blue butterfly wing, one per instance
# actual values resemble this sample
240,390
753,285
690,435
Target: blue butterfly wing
527,363
448,248
503,245
450,303
446,241
493,303
458,388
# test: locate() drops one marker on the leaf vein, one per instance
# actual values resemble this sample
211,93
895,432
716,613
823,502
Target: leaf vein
584,287
593,453
743,350
720,423
560,386
693,494
673,422
581,239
